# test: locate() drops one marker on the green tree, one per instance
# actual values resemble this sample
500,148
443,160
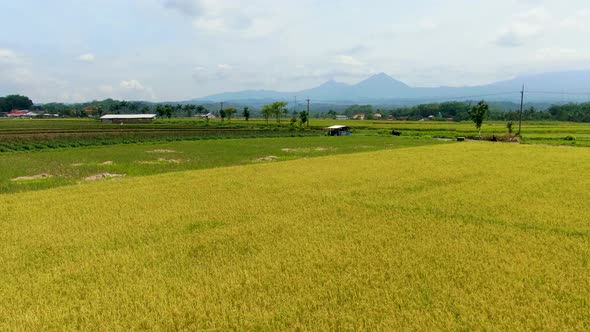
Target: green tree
189,110
267,112
164,111
12,102
201,109
246,113
277,109
229,112
99,110
303,118
160,111
222,114
478,114
509,126
133,107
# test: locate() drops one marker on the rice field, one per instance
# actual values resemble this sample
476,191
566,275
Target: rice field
38,170
471,236
51,134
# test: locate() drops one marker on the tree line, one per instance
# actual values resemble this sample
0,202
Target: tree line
459,111
15,102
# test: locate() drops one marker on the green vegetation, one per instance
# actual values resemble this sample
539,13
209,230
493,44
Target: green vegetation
478,114
455,110
246,113
71,166
41,134
18,102
412,238
459,111
276,109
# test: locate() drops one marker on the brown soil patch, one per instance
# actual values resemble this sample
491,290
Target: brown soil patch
33,177
269,158
103,176
161,151
107,163
172,161
77,164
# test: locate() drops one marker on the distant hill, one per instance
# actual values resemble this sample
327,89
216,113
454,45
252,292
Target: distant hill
383,89
560,82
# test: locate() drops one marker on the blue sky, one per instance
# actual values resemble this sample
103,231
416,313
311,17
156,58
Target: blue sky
167,50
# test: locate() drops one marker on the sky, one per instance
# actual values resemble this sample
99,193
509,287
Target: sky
172,50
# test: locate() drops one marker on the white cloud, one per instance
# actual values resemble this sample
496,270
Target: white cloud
88,57
248,19
553,55
9,57
6,54
523,27
215,16
578,21
135,90
348,60
186,7
427,24
192,48
132,84
106,90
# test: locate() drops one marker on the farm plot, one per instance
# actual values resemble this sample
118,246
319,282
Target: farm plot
23,171
474,236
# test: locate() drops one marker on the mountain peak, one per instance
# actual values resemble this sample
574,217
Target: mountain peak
382,81
382,87
382,75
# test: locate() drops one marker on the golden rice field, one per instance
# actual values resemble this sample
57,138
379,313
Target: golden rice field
474,236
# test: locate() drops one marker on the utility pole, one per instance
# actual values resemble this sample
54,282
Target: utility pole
308,117
521,109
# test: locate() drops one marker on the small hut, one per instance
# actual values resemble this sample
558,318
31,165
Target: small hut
128,118
338,130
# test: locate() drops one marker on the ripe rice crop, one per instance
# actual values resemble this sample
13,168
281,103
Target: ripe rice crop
473,236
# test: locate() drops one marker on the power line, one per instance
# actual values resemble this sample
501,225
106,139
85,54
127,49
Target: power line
561,93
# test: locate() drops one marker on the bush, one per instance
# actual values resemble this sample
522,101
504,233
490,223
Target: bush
570,138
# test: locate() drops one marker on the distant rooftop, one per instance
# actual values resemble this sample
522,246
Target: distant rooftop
128,116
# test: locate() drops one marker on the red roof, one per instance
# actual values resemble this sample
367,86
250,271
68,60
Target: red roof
17,112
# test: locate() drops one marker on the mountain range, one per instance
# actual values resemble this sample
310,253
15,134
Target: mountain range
382,88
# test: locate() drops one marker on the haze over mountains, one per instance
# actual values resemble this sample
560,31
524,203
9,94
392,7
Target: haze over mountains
568,86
